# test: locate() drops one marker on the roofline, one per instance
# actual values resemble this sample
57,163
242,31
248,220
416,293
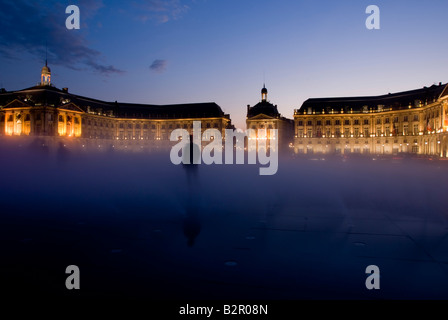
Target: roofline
110,103
363,98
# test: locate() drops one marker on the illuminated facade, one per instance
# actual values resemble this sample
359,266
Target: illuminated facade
46,111
264,115
407,122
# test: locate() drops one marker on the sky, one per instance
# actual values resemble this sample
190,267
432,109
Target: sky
186,51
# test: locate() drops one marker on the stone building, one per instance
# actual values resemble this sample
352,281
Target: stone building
46,111
413,122
264,115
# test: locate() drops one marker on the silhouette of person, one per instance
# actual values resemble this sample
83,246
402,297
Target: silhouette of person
191,154
191,223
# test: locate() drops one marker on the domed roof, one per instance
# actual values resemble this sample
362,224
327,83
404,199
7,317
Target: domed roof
263,107
264,90
46,69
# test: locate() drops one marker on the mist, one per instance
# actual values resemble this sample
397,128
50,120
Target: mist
139,226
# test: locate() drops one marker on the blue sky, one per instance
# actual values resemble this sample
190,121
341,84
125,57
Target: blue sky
175,51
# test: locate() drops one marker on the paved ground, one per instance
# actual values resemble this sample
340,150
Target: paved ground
138,228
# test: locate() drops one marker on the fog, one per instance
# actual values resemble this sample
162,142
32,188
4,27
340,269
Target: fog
138,226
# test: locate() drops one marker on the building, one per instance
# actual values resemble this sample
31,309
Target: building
414,121
46,111
264,115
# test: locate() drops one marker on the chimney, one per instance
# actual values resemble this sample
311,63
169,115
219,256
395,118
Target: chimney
440,83
65,90
248,108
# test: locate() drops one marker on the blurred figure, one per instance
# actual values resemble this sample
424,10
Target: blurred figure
191,155
191,223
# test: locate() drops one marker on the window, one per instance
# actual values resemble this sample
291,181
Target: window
61,118
337,122
137,126
346,122
405,119
121,125
366,132
153,127
215,125
416,117
405,130
366,122
300,123
208,125
145,126
338,133
309,123
129,126
347,132
356,122
319,123
386,120
170,126
416,131
328,122
300,133
356,132
310,133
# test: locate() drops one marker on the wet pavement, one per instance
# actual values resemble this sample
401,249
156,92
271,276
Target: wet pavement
139,227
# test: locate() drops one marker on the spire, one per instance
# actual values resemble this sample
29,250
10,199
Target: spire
46,54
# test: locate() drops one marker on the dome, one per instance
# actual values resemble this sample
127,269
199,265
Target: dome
46,70
264,90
